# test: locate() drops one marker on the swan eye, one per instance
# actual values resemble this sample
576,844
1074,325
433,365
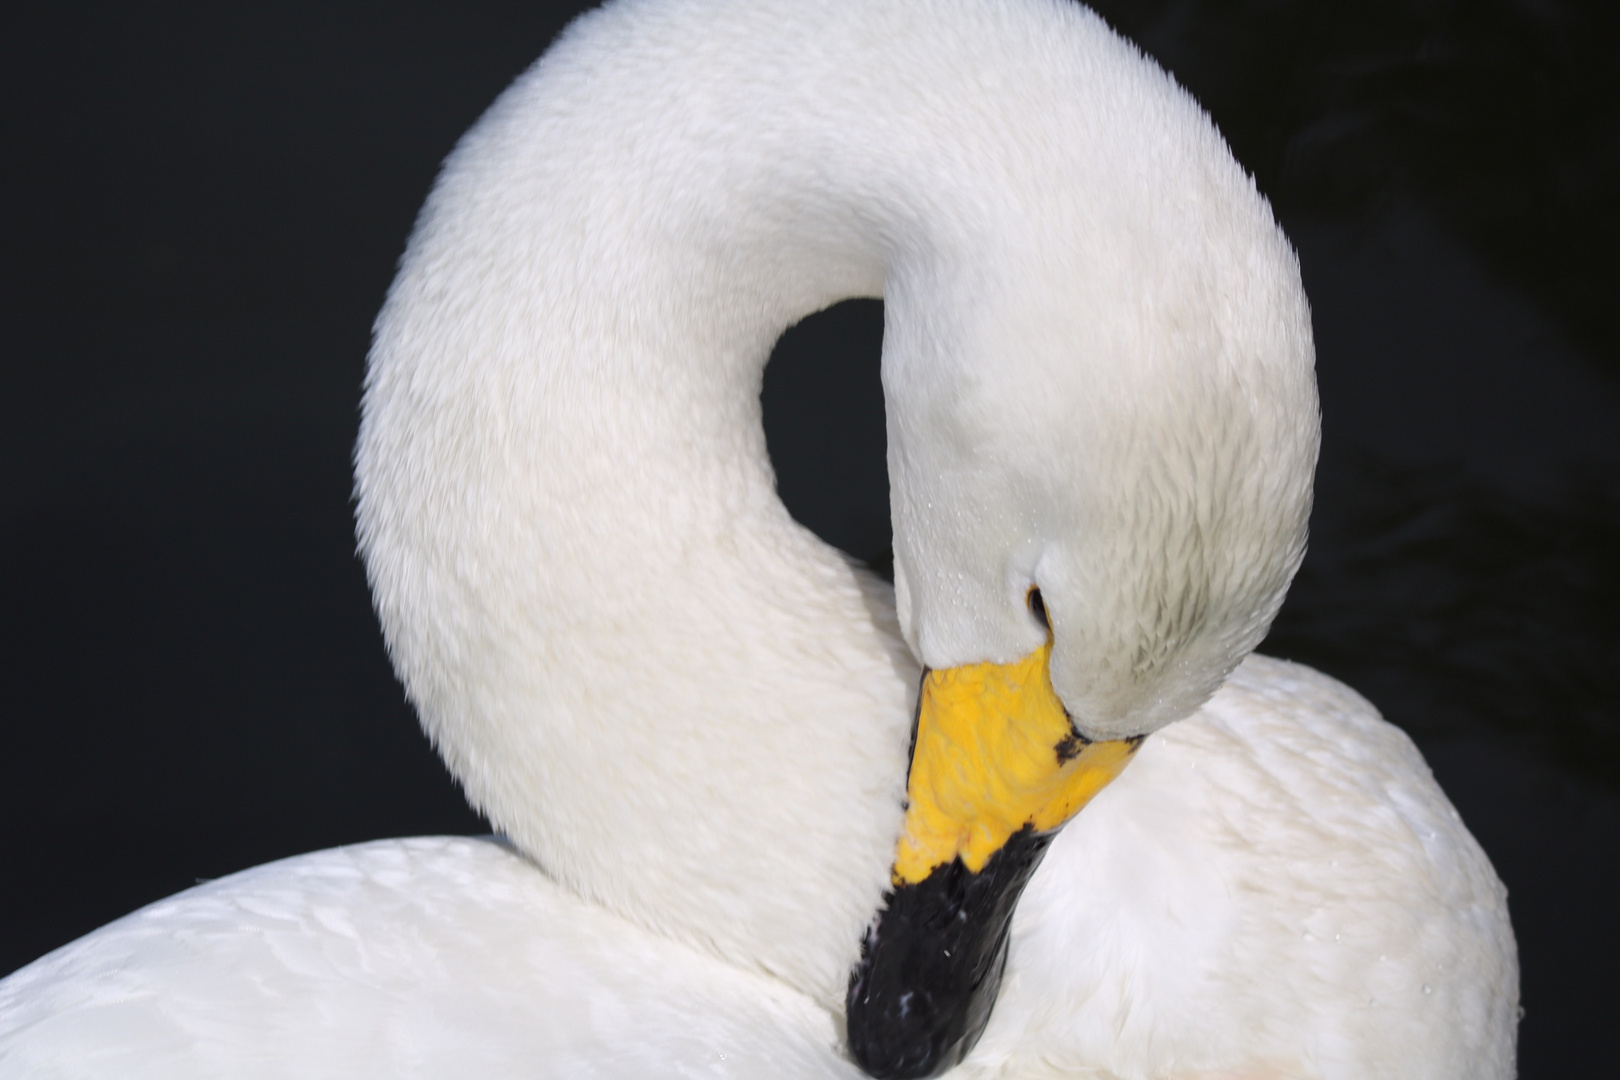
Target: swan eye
1037,607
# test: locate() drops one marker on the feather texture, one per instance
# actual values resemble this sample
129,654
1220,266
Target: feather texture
691,717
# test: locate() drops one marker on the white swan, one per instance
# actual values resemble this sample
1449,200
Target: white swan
696,718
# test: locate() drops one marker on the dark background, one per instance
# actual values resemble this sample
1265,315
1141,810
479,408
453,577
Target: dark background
203,204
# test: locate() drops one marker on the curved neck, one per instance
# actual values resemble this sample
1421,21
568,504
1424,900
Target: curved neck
602,612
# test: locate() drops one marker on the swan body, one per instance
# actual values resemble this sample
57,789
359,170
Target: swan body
692,718
433,956
1208,915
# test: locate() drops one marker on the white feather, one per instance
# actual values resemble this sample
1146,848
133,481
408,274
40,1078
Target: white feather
692,716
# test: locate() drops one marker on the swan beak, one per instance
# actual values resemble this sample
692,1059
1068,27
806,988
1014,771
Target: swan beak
997,768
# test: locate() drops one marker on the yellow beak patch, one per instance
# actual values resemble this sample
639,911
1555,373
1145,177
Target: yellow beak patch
995,752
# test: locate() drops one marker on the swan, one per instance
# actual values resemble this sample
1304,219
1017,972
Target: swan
752,799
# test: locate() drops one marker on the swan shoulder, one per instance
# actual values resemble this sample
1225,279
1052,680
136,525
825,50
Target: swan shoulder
1276,882
434,956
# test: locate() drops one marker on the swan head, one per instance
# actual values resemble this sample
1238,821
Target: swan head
1101,461
1131,432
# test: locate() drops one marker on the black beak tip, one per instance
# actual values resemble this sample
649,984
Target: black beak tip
931,965
918,1034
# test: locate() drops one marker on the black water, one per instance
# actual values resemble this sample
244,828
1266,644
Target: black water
203,208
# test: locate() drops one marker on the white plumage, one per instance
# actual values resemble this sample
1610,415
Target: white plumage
694,716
